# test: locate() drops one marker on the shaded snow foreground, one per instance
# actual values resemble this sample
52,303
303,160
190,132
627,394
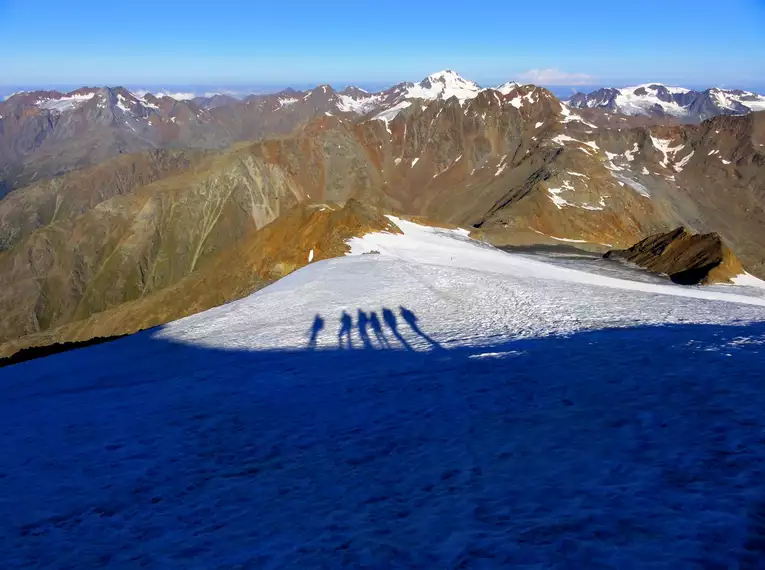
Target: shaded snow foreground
543,417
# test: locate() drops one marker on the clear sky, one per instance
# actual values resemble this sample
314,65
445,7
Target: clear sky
551,42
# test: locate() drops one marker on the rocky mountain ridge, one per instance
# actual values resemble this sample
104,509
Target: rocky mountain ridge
47,133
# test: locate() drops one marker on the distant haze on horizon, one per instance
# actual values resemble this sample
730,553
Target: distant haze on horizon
189,91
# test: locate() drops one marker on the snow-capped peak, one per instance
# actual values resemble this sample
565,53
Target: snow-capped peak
443,85
447,76
655,88
506,88
735,99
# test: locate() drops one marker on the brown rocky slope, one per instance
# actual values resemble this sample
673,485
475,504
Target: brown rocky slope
260,257
688,259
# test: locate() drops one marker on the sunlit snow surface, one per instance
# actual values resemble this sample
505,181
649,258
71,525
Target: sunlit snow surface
463,289
496,411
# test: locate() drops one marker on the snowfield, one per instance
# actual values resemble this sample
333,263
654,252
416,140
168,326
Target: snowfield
426,401
465,291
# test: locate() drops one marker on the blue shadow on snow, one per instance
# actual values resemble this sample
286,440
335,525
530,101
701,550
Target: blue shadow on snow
619,448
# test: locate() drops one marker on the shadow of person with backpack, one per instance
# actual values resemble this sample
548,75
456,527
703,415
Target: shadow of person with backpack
344,335
362,321
316,327
374,322
411,319
390,319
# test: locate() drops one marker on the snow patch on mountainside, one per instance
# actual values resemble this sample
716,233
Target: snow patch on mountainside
569,116
634,184
757,104
506,88
681,164
665,148
569,240
390,114
630,102
358,105
122,104
563,139
65,103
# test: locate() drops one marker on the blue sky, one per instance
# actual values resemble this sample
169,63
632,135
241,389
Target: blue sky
229,42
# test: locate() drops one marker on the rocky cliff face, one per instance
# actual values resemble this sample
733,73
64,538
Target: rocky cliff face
686,258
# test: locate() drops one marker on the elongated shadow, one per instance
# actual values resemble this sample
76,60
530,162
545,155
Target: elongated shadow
390,319
411,319
344,334
316,327
362,321
374,323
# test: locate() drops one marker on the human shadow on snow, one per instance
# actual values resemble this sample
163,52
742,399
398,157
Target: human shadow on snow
344,334
603,449
366,322
316,327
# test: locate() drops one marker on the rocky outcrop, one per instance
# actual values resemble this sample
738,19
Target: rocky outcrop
687,258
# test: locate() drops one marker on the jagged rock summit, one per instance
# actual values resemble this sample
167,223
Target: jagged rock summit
687,258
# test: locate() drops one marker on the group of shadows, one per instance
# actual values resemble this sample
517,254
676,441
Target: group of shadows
370,329
367,324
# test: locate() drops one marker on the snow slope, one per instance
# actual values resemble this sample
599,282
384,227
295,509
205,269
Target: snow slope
460,287
497,411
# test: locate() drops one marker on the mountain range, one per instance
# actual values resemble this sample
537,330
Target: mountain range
128,211
657,100
47,133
